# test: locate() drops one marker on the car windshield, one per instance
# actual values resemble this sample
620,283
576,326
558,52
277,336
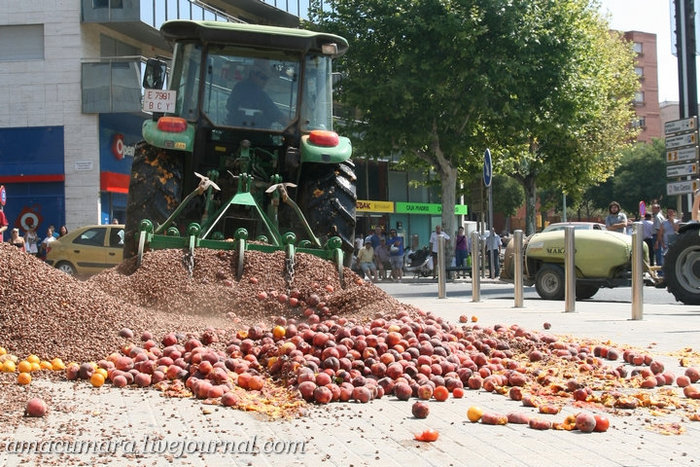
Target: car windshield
554,227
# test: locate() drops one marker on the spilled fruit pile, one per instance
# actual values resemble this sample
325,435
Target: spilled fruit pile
265,345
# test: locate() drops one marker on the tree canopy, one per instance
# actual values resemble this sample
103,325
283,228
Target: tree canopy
540,82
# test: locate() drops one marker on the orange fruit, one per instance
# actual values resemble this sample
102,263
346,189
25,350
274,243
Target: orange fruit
3,350
57,364
46,365
474,413
97,379
474,319
102,371
33,359
278,332
24,366
35,366
9,366
24,378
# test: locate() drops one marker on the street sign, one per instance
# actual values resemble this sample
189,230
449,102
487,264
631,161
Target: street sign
681,188
3,195
488,168
682,170
680,141
642,208
683,155
683,125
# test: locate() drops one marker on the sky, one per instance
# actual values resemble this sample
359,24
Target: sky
652,16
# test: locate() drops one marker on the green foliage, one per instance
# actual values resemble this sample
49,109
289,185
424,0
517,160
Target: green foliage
508,195
641,176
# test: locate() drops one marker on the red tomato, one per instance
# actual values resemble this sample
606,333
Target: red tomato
427,435
601,423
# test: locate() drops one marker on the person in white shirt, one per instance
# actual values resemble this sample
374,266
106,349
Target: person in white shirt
434,245
493,251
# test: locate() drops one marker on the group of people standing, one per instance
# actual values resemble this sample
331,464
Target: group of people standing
379,254
30,242
659,231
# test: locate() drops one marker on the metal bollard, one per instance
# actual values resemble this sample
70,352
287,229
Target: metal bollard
637,272
476,267
569,269
441,266
518,267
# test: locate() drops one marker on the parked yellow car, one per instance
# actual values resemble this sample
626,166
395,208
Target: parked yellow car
87,250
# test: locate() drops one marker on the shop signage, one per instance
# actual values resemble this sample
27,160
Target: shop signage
374,206
427,208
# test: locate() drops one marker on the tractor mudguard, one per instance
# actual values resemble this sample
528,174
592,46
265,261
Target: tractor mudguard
182,141
325,154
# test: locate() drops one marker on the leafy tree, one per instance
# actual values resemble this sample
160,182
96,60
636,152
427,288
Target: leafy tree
440,80
640,176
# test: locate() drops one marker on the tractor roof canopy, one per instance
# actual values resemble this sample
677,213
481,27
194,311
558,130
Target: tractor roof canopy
253,35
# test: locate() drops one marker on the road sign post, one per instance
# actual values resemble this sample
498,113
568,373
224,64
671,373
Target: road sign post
682,156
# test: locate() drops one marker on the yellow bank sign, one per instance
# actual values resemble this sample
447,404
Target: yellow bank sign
374,206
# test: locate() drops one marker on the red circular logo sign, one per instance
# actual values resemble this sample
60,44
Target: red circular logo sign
118,146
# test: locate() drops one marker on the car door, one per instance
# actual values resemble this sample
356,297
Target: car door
115,247
88,250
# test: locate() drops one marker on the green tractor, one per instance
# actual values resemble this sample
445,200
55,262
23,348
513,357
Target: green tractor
241,152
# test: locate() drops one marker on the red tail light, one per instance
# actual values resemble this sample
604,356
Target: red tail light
172,124
324,138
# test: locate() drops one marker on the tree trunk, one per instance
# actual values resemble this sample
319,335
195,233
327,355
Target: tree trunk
530,203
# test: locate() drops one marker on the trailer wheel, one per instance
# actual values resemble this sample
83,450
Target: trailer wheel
549,282
327,197
682,268
155,190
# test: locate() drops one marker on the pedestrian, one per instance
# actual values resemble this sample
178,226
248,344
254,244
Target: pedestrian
382,259
437,233
493,252
461,252
44,245
648,235
366,259
31,240
3,224
669,230
396,252
658,218
616,220
377,237
63,230
16,239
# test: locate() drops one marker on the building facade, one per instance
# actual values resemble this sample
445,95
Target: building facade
646,100
70,99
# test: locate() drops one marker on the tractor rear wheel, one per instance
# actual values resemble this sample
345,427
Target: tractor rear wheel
327,197
682,267
155,190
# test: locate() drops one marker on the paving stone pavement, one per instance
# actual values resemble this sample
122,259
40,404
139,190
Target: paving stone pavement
140,427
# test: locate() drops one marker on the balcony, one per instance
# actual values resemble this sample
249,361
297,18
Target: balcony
111,85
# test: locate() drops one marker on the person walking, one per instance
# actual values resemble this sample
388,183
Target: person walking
461,251
669,230
3,224
657,218
396,252
648,235
16,239
31,240
437,233
493,251
382,259
616,220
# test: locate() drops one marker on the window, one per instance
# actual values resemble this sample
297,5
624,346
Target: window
637,47
639,97
22,42
640,71
116,237
93,237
